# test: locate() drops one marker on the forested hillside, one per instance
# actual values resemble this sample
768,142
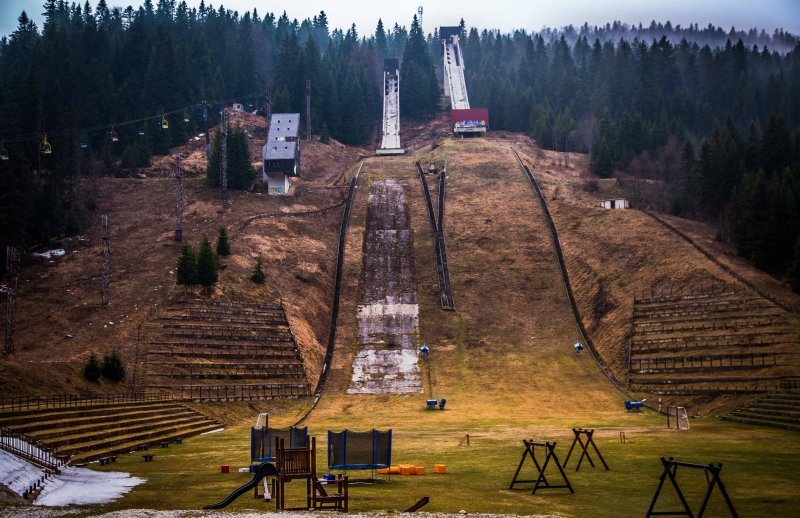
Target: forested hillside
706,132
704,120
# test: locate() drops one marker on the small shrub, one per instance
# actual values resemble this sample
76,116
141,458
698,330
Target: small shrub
92,370
591,185
113,367
258,276
223,247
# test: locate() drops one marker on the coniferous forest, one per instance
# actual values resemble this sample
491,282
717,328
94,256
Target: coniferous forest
709,117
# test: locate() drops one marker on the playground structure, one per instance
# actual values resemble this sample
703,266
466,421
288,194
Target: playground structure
263,438
390,143
370,450
465,120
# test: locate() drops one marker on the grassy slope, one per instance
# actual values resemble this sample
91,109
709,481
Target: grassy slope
503,361
505,364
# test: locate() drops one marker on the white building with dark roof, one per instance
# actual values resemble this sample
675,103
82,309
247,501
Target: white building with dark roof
281,153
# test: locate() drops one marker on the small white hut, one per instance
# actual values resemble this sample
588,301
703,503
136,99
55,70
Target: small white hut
615,203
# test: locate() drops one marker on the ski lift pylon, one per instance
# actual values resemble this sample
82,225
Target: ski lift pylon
164,122
45,148
3,152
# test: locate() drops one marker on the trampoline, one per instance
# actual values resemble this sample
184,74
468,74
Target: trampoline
262,441
348,450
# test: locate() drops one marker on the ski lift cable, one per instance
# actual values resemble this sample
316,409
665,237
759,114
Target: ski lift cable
69,132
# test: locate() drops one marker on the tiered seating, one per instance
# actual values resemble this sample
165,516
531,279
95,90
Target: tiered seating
221,351
710,342
86,433
780,410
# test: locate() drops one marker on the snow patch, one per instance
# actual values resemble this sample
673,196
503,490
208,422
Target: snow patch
84,486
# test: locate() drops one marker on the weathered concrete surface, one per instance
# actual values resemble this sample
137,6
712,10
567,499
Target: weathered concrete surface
388,318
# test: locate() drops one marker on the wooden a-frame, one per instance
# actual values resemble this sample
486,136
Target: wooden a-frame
541,481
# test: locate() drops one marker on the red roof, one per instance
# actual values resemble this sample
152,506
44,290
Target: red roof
472,114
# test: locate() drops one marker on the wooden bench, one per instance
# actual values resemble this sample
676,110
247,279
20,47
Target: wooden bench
148,457
108,460
338,501
165,444
178,440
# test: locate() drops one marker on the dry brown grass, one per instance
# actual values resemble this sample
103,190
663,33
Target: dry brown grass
59,316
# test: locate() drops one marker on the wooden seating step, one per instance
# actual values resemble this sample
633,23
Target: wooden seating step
642,308
761,422
33,422
197,310
73,437
129,447
701,346
221,304
286,366
685,297
69,412
253,378
206,320
86,448
729,327
263,357
55,430
709,338
272,346
758,412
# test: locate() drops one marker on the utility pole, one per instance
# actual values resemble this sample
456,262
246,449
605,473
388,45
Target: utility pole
308,109
268,106
12,281
223,163
179,200
208,138
105,243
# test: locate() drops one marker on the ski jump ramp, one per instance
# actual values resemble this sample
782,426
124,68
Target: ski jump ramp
390,143
463,118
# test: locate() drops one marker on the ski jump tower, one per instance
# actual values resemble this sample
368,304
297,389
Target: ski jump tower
465,120
390,144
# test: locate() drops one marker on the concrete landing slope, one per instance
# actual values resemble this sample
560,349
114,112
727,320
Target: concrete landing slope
388,316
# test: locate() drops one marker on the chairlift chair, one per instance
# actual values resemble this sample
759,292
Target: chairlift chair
185,116
113,135
45,148
83,140
3,152
164,122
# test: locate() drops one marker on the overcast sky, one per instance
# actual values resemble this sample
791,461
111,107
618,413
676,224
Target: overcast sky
502,14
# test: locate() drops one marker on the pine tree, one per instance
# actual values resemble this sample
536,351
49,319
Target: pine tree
419,90
113,367
207,265
258,275
324,136
186,270
223,247
92,369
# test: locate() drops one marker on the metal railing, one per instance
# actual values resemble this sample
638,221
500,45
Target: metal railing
11,404
29,449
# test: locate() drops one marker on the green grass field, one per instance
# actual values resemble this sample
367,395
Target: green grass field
760,467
